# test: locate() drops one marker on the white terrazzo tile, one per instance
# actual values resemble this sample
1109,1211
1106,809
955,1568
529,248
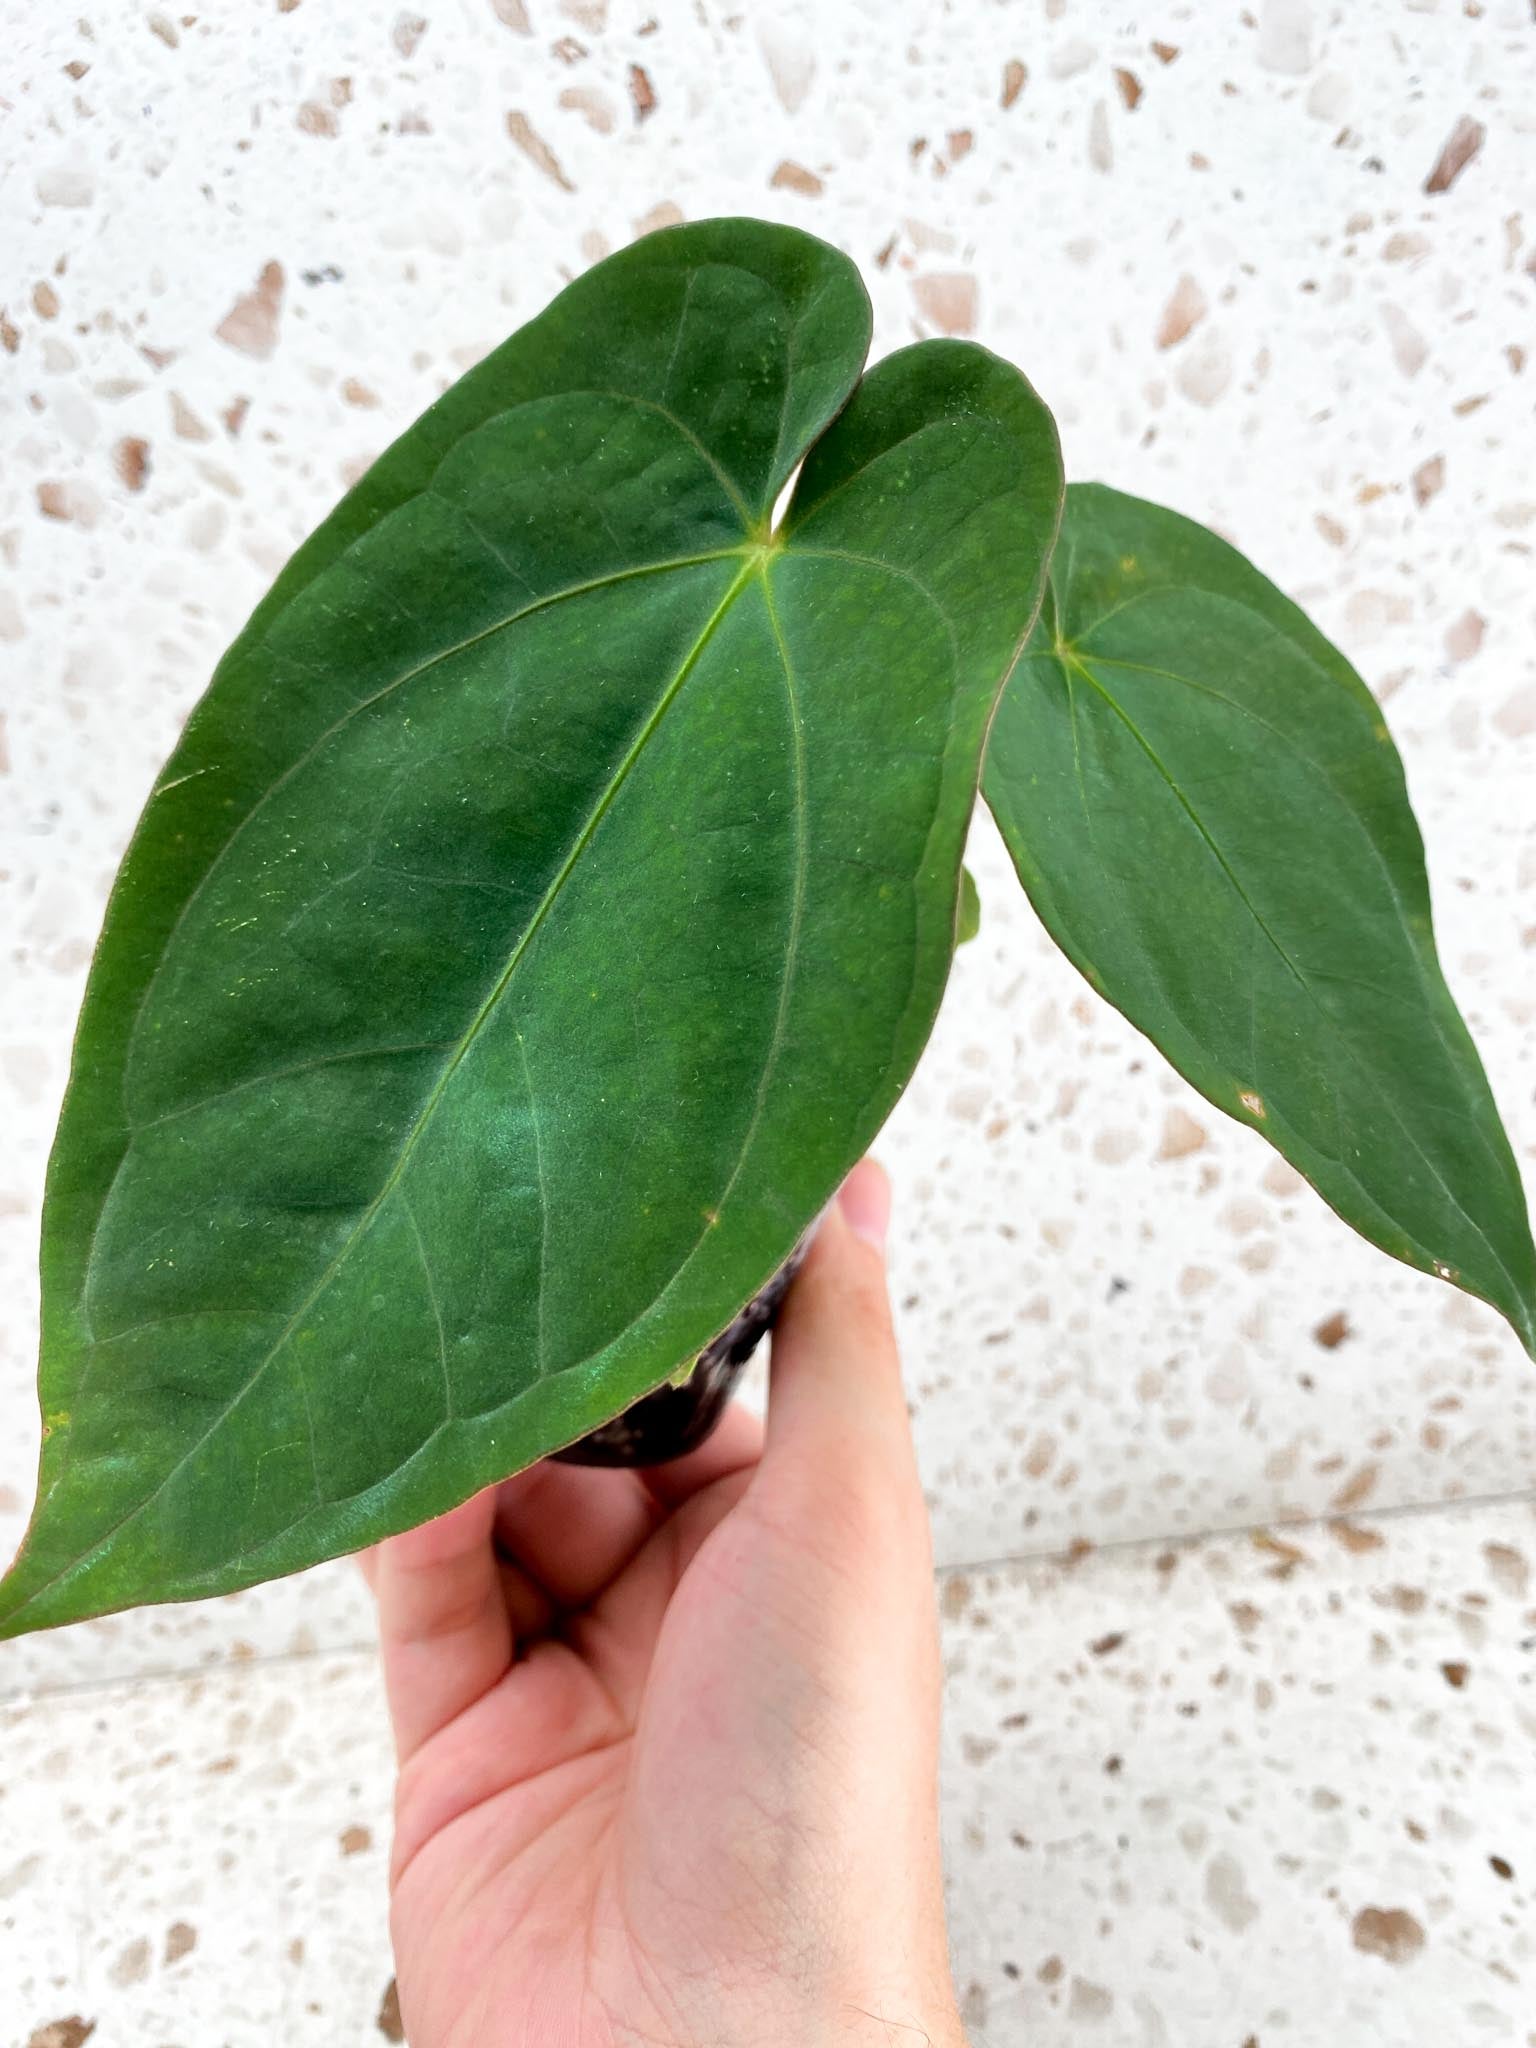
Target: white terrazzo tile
1235,1791
1102,1342
1250,1793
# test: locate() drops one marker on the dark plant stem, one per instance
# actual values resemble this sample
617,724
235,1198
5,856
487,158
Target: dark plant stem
676,1419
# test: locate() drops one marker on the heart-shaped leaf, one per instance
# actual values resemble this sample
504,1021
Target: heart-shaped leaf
1207,811
541,912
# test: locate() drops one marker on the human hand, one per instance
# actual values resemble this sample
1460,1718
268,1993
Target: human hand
668,1739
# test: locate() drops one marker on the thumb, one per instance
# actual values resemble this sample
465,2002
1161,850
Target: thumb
836,1409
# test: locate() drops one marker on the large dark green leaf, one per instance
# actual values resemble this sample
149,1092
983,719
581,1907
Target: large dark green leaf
542,911
1205,806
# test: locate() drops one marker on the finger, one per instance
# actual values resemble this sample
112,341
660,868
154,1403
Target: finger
573,1528
444,1629
735,1446
835,1404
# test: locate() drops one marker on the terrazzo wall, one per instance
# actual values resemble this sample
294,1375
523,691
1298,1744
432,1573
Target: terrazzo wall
1273,265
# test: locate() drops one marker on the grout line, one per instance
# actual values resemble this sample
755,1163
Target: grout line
225,1667
179,1674
1279,1526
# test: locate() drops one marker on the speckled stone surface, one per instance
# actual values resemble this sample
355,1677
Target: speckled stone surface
1274,266
1244,1788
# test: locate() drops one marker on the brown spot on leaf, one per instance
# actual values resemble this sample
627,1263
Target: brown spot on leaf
793,177
948,300
1461,145
1427,479
130,458
536,149
1129,84
1388,1932
1456,1675
355,1839
70,2033
1015,78
250,325
1252,1101
1332,1331
642,92
388,2021
1184,310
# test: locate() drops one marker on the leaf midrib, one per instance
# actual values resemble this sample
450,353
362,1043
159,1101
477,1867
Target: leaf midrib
1071,660
752,558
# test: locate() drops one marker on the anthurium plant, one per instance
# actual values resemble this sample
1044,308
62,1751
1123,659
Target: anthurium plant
552,894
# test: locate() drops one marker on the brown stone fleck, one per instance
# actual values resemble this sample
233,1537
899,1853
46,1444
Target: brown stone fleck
1357,1489
1461,145
355,1839
388,2021
234,414
1464,636
130,458
1181,1136
1184,310
512,14
1511,1573
355,392
642,92
1104,1646
536,149
250,325
1246,1615
1427,479
180,1940
947,299
132,1966
1288,1556
315,119
53,501
1332,1331
960,143
408,32
1015,78
1330,529
1407,1599
1357,1541
954,1596
76,69
1455,1675
45,300
1051,1970
286,6
341,92
10,335
666,213
1129,85
793,177
1501,1867
1387,1932
69,2033
1165,53
186,422
165,30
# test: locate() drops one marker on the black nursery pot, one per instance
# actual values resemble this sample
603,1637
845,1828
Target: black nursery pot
676,1419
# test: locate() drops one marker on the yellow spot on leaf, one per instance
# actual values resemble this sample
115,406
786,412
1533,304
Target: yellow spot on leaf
1252,1102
